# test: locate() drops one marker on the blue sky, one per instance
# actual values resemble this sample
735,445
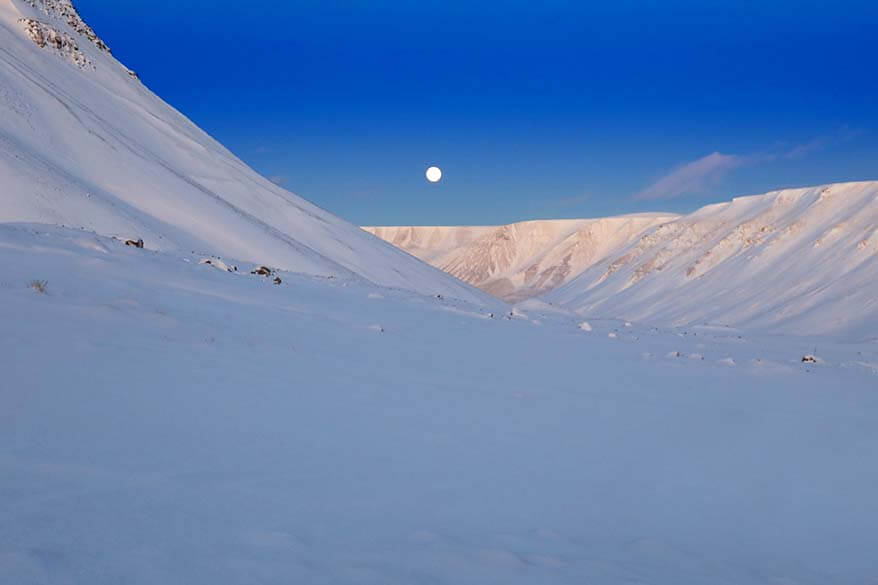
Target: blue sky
532,109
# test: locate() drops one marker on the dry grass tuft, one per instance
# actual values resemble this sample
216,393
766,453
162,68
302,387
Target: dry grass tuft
40,286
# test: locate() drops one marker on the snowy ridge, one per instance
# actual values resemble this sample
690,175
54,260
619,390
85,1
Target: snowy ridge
84,144
796,261
431,243
520,260
64,11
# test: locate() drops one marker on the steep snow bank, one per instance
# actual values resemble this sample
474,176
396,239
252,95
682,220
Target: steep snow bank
83,143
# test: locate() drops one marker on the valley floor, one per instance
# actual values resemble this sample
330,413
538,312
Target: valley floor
165,421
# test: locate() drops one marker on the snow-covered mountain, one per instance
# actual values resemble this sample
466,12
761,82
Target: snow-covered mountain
166,421
793,261
84,143
520,260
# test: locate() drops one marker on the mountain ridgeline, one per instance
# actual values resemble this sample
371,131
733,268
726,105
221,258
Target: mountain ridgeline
791,261
83,143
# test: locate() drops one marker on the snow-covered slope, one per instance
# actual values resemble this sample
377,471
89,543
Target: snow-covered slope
792,261
797,261
524,259
431,243
83,143
165,422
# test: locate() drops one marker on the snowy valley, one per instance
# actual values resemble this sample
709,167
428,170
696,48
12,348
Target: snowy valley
265,393
522,260
796,261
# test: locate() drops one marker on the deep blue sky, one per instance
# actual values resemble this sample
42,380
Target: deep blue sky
532,109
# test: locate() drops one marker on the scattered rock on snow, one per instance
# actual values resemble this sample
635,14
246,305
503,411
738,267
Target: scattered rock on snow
138,243
216,262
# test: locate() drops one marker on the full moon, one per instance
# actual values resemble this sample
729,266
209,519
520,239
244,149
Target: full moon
434,174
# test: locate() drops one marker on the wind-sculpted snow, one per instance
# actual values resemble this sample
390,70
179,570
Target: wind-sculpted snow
520,260
794,261
84,144
167,421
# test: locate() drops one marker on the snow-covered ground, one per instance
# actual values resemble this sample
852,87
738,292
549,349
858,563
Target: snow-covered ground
354,416
166,421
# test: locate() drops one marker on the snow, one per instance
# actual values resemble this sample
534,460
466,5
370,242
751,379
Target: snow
162,421
85,144
796,261
170,415
520,260
432,243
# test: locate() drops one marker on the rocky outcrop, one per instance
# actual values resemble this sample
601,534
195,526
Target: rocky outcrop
48,37
65,11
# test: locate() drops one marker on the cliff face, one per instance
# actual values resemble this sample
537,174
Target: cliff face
520,260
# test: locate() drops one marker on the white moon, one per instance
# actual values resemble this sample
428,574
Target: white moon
434,174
